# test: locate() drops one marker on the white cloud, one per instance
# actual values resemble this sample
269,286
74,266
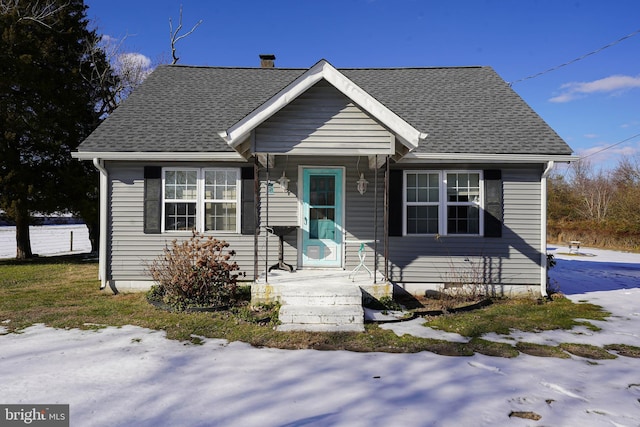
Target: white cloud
562,98
626,151
106,38
591,151
615,83
591,135
632,123
608,157
135,59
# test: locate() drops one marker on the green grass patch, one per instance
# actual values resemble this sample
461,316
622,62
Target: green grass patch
492,348
524,314
63,292
542,350
587,351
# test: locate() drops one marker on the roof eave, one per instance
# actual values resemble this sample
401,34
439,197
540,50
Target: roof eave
487,158
159,155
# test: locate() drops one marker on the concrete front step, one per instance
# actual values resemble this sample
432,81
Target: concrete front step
320,307
320,300
319,327
322,296
331,315
322,310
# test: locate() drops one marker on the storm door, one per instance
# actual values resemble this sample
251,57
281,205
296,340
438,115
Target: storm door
322,218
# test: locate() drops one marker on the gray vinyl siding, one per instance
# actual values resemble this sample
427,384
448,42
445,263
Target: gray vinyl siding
322,121
129,249
513,258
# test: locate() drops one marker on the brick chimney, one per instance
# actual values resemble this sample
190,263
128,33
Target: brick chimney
267,61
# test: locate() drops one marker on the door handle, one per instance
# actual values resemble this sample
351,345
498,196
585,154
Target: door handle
305,221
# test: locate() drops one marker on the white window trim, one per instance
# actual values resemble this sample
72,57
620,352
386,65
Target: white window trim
205,200
480,205
406,204
200,199
443,202
165,200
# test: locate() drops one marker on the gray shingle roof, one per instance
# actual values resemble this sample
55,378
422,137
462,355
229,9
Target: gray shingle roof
463,109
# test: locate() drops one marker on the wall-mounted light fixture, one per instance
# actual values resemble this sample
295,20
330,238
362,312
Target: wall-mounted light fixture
284,182
362,184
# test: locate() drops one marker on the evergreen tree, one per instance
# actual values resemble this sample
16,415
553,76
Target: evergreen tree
47,107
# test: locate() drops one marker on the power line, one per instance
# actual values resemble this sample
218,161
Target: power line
564,175
610,146
533,76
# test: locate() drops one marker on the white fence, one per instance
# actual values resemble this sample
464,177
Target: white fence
48,240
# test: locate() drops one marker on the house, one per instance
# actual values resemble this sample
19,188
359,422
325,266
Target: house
428,177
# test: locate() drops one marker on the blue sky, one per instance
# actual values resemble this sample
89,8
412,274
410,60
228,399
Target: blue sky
592,103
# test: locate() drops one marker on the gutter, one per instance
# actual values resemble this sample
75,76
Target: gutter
102,250
146,156
486,157
543,228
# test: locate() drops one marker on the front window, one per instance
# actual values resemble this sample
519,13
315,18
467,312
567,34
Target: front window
201,199
463,203
422,199
220,200
443,203
180,198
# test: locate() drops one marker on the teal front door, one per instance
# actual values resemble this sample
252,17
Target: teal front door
322,210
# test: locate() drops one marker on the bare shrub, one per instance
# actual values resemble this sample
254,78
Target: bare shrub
198,272
467,281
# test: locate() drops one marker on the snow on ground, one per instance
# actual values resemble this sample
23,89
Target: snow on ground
132,376
47,240
606,278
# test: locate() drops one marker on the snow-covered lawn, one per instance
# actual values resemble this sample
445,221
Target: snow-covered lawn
132,376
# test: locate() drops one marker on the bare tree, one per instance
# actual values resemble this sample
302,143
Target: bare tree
36,11
119,75
595,190
562,199
114,74
175,37
626,178
627,172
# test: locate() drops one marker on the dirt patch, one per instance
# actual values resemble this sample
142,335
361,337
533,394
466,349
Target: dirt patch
527,415
436,303
624,350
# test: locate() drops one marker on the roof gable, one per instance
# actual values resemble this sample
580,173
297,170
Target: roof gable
321,121
323,70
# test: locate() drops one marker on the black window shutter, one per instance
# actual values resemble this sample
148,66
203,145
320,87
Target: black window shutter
247,197
395,202
493,212
152,199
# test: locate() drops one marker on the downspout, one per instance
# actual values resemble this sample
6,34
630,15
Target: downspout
102,250
543,228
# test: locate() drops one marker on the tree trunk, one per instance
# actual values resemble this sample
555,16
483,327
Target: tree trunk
94,235
23,240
